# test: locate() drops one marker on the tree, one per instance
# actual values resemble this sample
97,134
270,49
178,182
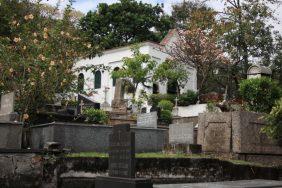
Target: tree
277,61
198,49
172,71
125,22
38,54
184,12
249,37
137,70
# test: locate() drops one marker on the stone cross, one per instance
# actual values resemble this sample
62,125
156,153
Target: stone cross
176,101
106,92
81,106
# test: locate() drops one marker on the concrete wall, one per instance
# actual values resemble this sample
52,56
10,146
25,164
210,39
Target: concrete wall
237,132
10,135
84,137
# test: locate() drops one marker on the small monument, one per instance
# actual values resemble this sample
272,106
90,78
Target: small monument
147,120
175,108
105,105
7,108
119,104
86,102
122,161
182,133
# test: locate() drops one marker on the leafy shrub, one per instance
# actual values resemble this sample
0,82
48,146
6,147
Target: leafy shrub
166,116
165,105
259,94
95,116
274,121
188,98
154,99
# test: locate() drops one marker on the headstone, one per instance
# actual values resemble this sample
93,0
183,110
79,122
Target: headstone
7,107
122,152
118,103
147,120
122,162
86,102
181,133
7,103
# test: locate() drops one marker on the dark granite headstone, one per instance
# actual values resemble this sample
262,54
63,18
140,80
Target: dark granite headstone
122,152
122,162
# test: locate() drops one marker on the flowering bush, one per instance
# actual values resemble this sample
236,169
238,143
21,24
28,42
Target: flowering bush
38,53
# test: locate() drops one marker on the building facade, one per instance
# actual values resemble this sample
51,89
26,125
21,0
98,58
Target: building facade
103,84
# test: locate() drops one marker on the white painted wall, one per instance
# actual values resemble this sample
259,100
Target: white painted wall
113,58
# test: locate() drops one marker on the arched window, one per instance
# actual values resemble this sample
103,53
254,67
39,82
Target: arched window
172,87
80,82
114,79
155,88
97,80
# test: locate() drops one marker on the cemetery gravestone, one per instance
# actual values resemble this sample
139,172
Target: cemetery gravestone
148,120
181,133
122,162
7,107
122,152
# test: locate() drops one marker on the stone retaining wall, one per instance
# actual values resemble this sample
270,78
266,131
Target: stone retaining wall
85,137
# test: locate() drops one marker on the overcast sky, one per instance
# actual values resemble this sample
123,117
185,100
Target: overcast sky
86,5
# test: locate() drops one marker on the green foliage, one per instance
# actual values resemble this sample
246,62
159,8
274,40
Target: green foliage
173,72
125,22
154,99
136,69
165,105
184,12
188,98
211,107
38,50
95,116
259,94
274,121
166,116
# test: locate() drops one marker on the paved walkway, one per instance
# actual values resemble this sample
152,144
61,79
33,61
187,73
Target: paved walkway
227,184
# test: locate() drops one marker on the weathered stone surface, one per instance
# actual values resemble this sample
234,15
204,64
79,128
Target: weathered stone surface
85,137
118,103
7,103
227,184
217,132
237,132
122,152
20,170
181,133
10,135
147,120
247,136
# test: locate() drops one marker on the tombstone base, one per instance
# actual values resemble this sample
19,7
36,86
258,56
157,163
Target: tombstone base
9,117
116,182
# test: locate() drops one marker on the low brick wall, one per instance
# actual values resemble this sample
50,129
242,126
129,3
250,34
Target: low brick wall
85,137
10,135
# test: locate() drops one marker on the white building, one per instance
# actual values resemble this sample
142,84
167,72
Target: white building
113,58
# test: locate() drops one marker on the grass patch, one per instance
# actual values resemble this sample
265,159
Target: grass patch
140,155
164,155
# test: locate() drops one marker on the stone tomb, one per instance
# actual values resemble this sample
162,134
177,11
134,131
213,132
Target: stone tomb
148,120
122,162
182,133
7,107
